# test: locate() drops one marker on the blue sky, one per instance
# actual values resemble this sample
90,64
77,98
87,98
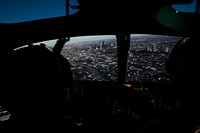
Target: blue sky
12,11
186,7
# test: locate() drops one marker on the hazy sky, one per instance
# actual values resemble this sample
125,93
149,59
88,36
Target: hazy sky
87,38
81,39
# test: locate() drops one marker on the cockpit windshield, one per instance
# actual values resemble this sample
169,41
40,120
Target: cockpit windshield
95,58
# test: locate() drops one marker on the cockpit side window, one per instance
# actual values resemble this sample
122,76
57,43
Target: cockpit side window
193,7
147,57
17,11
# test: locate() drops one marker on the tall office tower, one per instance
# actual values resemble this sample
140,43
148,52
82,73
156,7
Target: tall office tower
154,47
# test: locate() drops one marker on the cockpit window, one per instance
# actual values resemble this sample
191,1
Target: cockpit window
95,58
15,11
147,56
193,7
92,58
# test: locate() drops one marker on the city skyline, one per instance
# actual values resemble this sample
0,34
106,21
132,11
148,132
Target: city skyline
97,61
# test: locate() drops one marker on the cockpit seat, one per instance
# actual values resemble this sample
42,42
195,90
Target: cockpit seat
36,86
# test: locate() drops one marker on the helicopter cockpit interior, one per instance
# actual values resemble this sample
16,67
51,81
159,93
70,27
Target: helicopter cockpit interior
84,65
